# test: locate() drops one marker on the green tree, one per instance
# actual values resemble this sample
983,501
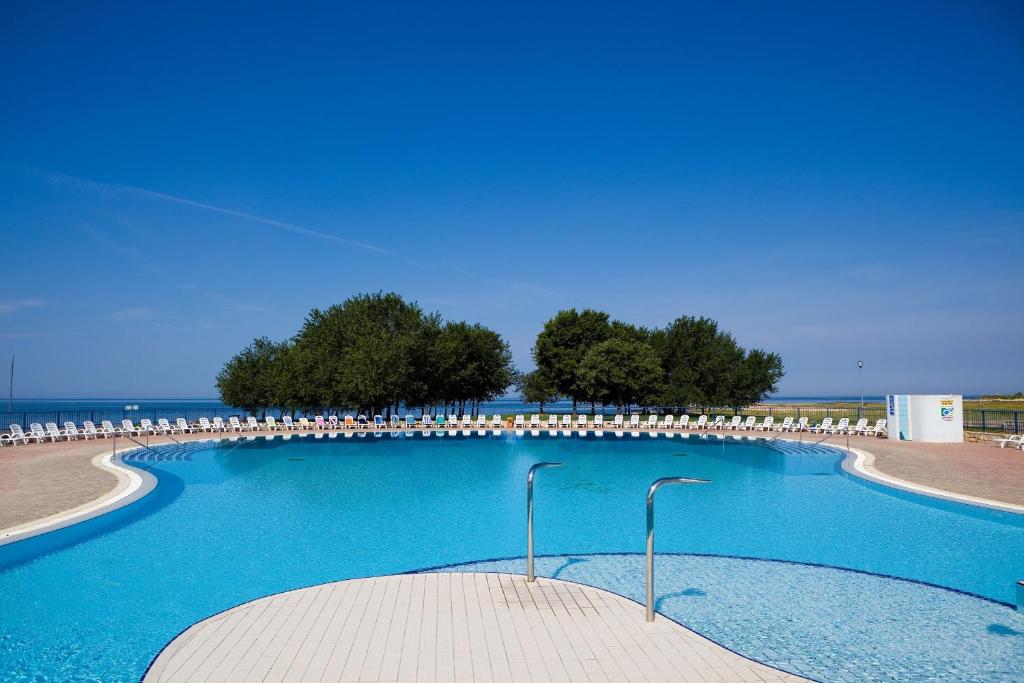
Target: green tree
756,377
361,353
536,387
471,364
562,345
621,372
253,379
698,362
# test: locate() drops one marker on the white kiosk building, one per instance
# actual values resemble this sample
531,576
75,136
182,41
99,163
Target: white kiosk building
933,418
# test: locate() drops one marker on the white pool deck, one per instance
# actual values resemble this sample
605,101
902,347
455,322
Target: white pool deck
447,627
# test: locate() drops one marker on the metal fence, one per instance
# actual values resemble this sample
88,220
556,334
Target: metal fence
975,420
1001,421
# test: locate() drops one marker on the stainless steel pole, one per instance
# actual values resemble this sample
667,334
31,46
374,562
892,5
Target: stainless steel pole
650,533
860,370
529,516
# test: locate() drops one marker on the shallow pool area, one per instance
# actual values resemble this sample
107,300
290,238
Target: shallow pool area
231,521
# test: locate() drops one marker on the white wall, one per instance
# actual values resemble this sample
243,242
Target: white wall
932,418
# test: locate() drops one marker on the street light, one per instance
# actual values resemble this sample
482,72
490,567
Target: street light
860,370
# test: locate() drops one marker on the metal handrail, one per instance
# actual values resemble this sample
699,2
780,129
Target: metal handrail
138,443
650,532
529,516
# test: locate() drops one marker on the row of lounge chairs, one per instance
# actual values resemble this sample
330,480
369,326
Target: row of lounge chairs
51,432
668,422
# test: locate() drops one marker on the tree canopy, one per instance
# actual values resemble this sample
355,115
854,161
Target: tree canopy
588,357
254,379
374,352
537,387
370,353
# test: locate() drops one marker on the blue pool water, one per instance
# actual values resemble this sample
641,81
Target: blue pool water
240,520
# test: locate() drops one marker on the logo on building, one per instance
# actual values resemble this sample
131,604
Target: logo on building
946,409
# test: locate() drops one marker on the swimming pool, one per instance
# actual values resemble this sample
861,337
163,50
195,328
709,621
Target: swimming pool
241,519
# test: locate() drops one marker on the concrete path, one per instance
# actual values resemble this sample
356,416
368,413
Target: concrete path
447,627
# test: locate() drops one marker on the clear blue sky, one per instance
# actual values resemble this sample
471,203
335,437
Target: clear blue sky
830,181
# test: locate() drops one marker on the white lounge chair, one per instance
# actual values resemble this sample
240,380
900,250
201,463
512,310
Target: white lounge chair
668,422
107,429
37,433
128,428
842,426
234,425
53,432
787,422
734,423
552,422
496,422
252,423
1013,441
567,422
71,431
146,426
766,424
683,422
748,424
520,422
218,424
823,426
183,426
878,430
652,421
89,430
801,425
15,437
859,428
719,422
599,422
702,422
535,422
634,421
581,422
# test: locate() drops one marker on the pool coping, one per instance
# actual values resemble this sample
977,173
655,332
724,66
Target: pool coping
860,463
133,483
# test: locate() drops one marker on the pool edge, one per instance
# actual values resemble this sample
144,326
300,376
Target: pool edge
132,485
860,463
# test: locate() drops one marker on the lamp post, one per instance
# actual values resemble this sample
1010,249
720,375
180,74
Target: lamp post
860,371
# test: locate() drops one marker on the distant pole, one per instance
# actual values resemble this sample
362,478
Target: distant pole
860,370
10,389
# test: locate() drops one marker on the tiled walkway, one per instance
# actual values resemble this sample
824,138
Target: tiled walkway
447,627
